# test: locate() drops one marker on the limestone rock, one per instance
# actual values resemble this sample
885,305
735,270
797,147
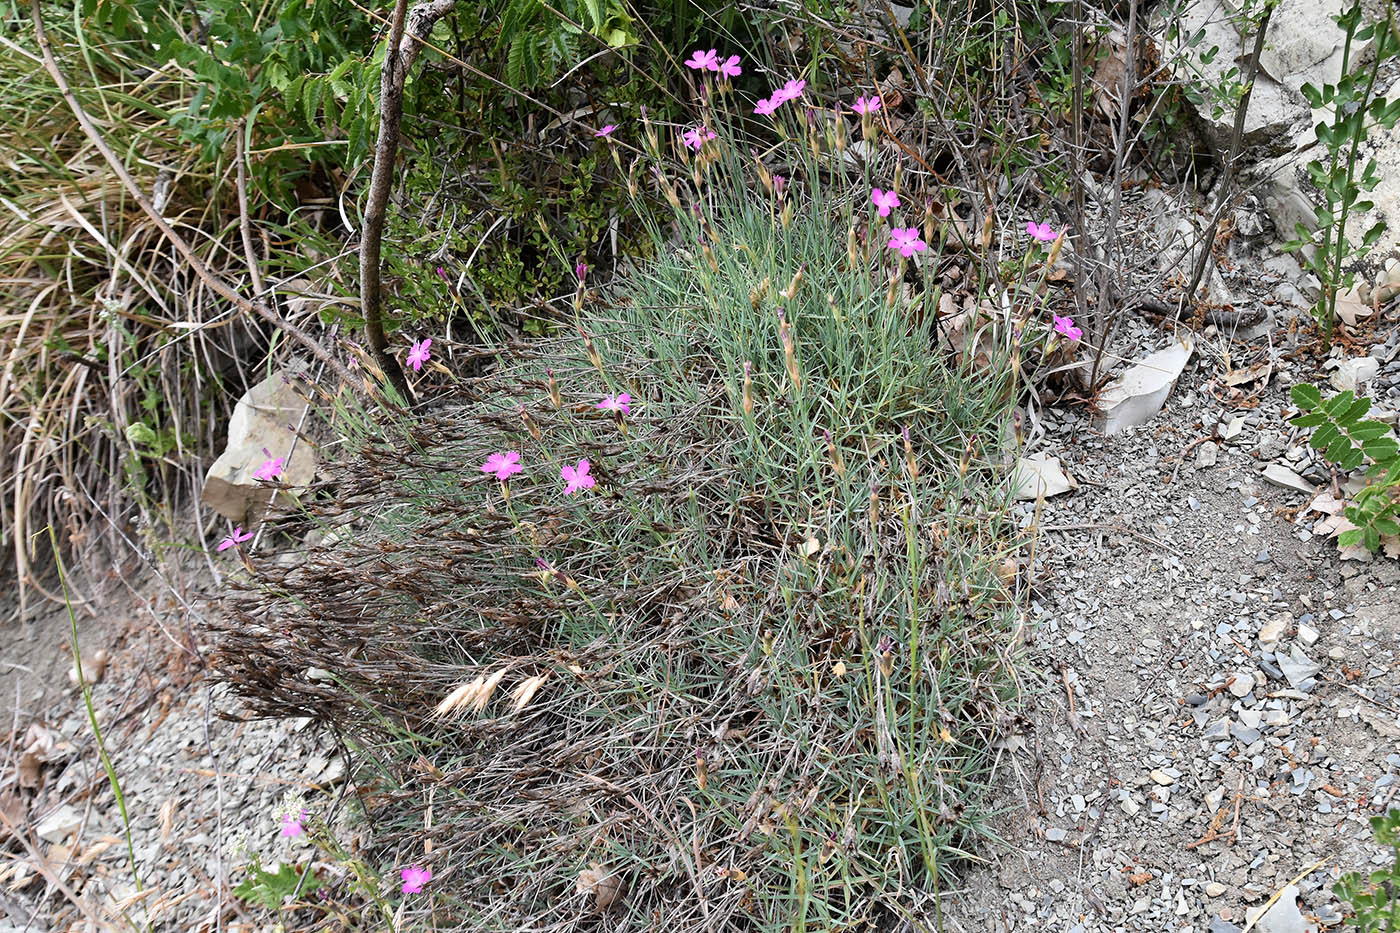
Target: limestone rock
265,418
1274,108
1137,395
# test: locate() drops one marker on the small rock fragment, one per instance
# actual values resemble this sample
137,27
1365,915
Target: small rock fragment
1283,476
1040,475
1137,395
1282,917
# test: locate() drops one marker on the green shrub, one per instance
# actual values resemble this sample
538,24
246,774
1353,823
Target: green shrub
755,672
1350,440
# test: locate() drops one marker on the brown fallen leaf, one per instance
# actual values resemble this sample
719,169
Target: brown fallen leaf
605,886
28,770
167,820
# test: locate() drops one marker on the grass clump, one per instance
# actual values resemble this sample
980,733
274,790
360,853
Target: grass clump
748,680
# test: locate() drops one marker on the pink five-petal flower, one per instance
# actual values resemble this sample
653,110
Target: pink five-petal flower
729,68
236,538
503,465
1065,326
414,877
1041,231
419,354
292,824
907,241
702,60
576,477
884,201
271,468
767,106
789,91
622,402
867,105
607,130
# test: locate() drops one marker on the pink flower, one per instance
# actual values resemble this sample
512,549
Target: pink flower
867,105
884,200
729,68
581,270
1042,231
419,354
606,131
576,478
235,539
504,464
703,61
414,877
621,402
1065,326
907,241
292,824
695,138
271,467
779,185
790,91
767,106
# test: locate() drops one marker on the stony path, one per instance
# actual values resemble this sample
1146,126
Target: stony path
1214,697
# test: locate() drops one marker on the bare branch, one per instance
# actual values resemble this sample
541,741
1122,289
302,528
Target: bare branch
407,30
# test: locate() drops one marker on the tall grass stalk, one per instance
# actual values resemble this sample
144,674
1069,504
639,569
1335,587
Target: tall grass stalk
112,780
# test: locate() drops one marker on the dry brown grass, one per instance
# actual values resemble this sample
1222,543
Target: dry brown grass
104,333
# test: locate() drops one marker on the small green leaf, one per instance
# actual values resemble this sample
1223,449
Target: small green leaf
1324,436
1306,396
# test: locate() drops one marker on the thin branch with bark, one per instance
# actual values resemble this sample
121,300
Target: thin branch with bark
407,30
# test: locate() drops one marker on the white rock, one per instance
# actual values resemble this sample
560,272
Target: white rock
1137,395
1272,631
1215,889
1307,635
1273,107
1297,666
1283,476
264,419
1161,778
1241,683
1304,43
60,824
1040,475
1353,372
1282,917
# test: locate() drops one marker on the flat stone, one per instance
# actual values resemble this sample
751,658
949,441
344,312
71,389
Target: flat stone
265,419
1242,683
1308,635
1273,630
57,826
1297,667
1160,777
1282,917
1207,454
1136,396
1040,475
1282,476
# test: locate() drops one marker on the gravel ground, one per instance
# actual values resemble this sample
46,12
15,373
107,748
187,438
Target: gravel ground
1213,699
